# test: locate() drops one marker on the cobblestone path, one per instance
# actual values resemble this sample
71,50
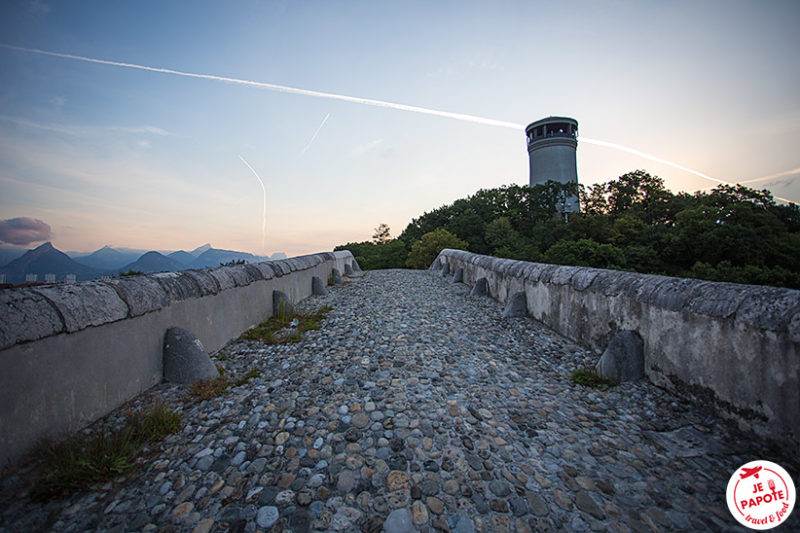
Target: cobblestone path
415,408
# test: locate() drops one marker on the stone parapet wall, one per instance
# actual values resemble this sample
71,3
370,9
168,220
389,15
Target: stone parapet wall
736,346
71,353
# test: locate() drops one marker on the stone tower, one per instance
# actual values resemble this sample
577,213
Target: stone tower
552,142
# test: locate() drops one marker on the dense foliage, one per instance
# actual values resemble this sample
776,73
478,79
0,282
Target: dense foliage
731,233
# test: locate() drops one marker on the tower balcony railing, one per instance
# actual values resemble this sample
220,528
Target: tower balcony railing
551,134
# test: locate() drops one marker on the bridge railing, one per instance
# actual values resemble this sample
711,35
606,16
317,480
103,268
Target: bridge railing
734,346
70,353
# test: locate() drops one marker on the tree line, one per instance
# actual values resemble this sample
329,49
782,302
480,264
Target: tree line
633,223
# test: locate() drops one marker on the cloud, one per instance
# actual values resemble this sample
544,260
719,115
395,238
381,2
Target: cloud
366,147
23,230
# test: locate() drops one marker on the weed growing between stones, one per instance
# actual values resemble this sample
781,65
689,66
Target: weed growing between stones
589,377
253,373
206,389
286,329
81,461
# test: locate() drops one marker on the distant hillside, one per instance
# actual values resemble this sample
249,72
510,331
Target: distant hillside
182,257
107,258
48,260
153,262
213,257
200,249
277,255
9,253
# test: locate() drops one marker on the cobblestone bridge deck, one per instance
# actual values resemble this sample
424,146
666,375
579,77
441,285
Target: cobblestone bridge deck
415,407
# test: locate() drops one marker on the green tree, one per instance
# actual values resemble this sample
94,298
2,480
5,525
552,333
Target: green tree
731,233
371,256
585,252
640,194
425,251
390,254
381,234
499,233
593,201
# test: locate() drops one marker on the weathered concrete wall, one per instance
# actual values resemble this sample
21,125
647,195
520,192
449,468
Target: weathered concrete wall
71,353
737,346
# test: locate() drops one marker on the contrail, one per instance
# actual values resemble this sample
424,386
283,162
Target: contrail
275,87
771,176
359,100
324,120
263,205
650,157
664,161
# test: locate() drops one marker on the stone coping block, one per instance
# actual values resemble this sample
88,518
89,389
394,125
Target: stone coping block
29,314
142,294
207,283
85,304
178,285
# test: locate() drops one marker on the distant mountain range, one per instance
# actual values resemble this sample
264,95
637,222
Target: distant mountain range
108,261
107,258
47,260
153,262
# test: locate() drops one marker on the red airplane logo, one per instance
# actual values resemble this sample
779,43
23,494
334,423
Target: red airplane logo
750,472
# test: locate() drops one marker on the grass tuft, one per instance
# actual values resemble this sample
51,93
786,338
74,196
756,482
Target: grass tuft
205,389
253,373
588,377
279,330
82,461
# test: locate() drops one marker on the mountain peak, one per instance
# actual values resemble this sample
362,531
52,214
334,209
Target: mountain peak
45,247
200,249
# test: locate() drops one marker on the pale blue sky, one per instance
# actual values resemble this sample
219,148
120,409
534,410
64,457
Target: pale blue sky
109,155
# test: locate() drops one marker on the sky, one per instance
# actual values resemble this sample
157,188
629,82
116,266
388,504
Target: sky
152,158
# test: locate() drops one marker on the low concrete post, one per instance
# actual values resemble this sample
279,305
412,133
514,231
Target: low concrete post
517,306
481,288
317,287
185,358
281,306
623,360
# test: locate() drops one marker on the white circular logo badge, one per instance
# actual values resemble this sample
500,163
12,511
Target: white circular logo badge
761,495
